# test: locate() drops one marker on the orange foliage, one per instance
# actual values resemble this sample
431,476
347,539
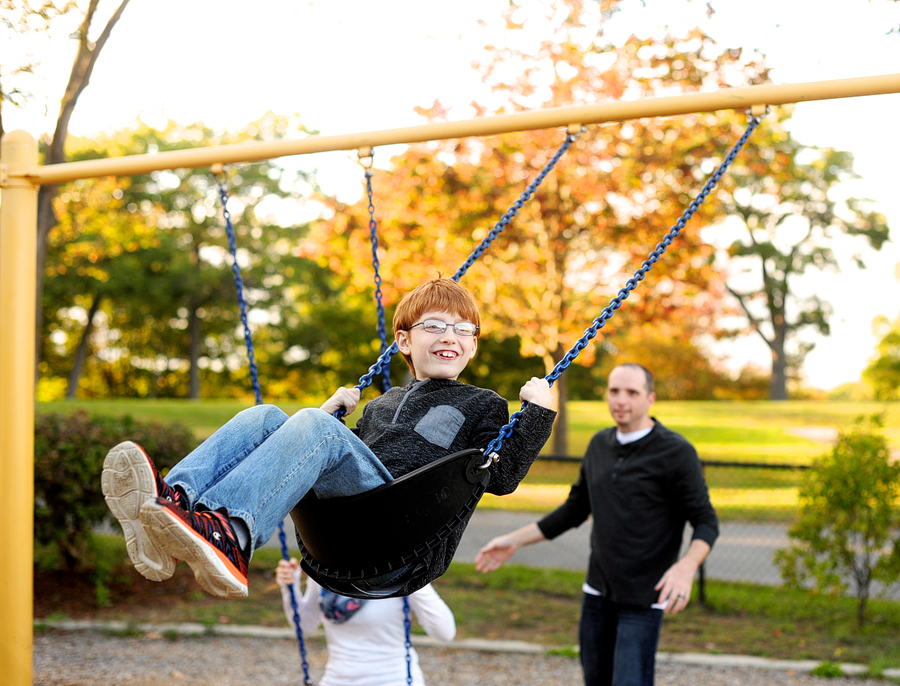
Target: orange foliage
597,215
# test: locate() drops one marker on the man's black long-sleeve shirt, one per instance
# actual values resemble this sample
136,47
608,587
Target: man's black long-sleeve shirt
640,495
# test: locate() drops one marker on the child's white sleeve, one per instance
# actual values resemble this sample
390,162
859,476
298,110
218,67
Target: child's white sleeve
433,614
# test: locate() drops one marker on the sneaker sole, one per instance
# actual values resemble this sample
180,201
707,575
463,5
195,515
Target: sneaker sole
127,483
215,573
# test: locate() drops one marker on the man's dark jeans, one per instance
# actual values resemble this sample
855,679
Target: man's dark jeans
618,642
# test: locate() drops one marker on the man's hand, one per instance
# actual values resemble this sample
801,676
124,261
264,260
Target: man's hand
495,553
675,585
347,398
500,549
537,391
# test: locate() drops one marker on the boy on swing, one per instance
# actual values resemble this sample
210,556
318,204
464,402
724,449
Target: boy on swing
226,498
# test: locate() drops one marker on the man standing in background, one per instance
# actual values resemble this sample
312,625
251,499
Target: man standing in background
641,482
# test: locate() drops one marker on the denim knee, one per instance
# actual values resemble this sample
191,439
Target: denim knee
311,419
264,418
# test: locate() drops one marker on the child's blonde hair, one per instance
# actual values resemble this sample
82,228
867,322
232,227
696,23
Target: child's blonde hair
437,295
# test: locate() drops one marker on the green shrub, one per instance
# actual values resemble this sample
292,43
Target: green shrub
848,530
69,451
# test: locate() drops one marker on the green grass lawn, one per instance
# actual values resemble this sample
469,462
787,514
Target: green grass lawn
759,432
749,431
752,431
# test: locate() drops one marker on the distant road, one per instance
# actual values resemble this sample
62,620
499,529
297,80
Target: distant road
742,553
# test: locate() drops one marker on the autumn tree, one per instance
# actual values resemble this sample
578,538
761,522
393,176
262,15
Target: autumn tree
790,223
597,215
37,16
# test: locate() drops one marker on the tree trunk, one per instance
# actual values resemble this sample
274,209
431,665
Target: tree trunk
861,606
79,78
81,350
194,353
46,220
778,384
560,388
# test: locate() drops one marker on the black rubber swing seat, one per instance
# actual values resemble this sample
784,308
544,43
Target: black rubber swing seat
348,543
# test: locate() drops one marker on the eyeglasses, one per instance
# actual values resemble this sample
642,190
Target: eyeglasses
437,326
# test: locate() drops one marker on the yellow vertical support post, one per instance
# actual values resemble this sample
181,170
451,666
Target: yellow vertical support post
18,257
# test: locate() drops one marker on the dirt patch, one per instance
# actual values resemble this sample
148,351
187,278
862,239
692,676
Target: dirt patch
127,596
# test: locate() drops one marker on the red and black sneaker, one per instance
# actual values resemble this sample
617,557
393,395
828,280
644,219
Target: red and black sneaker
130,479
205,540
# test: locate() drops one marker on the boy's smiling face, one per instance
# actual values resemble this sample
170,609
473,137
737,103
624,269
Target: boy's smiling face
437,355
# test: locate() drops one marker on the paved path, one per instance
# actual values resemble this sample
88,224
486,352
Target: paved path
742,553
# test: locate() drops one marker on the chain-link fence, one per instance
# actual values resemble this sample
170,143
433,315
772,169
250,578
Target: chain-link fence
756,503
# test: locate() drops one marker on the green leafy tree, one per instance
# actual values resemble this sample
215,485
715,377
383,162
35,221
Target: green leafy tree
790,223
848,529
883,372
147,257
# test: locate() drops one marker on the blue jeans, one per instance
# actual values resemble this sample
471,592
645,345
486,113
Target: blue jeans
261,463
618,642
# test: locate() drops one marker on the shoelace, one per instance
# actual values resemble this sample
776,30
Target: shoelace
214,526
168,492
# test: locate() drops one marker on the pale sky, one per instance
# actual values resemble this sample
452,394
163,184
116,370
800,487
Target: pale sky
355,66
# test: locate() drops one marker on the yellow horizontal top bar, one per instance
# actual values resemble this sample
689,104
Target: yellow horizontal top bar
730,98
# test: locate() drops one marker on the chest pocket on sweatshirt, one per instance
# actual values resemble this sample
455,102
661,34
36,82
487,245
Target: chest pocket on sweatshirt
440,425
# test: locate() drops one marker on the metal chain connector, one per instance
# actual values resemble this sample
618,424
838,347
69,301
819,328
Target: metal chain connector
493,458
366,157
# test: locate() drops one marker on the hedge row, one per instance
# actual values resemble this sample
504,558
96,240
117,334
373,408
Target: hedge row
69,452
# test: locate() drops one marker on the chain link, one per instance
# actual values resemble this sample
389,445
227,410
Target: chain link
517,205
373,236
407,625
239,285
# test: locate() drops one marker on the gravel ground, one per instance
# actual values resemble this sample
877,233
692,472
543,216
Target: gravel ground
89,658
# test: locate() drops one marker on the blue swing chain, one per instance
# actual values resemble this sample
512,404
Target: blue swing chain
407,625
517,205
254,374
385,359
494,446
239,285
373,234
